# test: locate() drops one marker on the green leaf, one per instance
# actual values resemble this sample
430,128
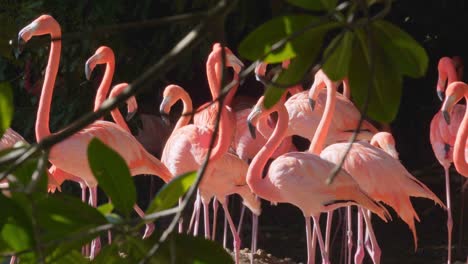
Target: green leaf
6,106
408,56
385,92
337,65
260,41
24,174
170,193
106,209
113,175
315,5
272,95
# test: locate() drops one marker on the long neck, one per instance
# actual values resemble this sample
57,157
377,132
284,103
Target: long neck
115,113
105,85
213,82
320,135
224,137
187,109
460,143
259,186
43,112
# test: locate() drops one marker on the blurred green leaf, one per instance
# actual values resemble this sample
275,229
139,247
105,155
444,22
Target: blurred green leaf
6,106
170,193
260,41
106,208
408,56
113,175
24,174
316,5
337,64
385,92
272,95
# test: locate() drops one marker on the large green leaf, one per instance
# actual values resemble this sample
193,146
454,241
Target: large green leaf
260,41
272,95
316,5
170,193
404,52
24,174
6,106
113,175
385,91
338,60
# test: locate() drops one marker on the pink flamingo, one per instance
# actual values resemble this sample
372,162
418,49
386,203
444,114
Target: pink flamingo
442,136
299,177
379,173
70,154
186,148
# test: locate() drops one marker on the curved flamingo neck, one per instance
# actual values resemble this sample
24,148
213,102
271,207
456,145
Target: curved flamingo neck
184,119
320,135
115,113
43,113
460,143
105,85
446,69
213,82
224,137
263,187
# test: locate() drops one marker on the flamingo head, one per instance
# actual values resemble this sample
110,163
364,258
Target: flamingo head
260,70
454,93
385,141
171,95
132,107
258,112
447,70
42,25
231,60
102,55
321,81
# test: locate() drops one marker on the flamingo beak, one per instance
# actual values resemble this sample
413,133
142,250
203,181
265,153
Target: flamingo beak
162,111
446,116
20,47
312,104
130,115
440,94
251,120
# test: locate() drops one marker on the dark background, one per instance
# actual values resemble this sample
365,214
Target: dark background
440,26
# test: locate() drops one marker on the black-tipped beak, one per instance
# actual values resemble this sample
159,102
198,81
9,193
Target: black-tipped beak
440,94
446,116
165,119
252,129
130,115
312,104
88,72
20,47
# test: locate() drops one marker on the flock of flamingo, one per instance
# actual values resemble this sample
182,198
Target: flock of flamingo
247,138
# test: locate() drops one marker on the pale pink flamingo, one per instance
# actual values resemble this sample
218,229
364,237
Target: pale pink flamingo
299,177
442,136
70,154
379,173
187,146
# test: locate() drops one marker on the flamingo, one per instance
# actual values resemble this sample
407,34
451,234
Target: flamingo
442,136
379,173
299,177
70,154
186,148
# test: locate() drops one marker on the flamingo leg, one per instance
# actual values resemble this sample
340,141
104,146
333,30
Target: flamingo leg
215,214
349,234
13,260
310,248
241,219
96,243
225,232
195,216
359,255
328,231
206,218
325,259
314,244
253,246
449,215
376,251
85,248
236,238
149,227
181,220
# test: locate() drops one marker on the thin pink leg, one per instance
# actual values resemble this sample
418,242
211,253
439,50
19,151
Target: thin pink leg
325,259
235,235
241,219
195,216
149,227
359,255
13,260
96,243
253,245
349,233
225,232
376,252
449,215
181,220
328,231
215,214
314,244
85,248
310,248
206,218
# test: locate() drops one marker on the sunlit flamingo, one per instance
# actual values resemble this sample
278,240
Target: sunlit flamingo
442,136
299,177
187,146
379,173
70,154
